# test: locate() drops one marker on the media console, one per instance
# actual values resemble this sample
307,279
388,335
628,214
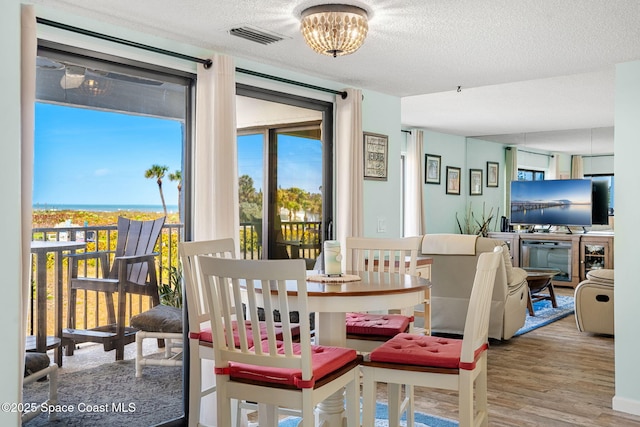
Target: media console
573,254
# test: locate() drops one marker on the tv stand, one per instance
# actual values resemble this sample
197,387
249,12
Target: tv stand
579,253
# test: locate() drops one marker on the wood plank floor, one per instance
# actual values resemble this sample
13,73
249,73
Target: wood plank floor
552,376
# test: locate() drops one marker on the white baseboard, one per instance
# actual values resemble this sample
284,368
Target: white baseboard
623,404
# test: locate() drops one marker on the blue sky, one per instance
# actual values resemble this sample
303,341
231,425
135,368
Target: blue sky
85,156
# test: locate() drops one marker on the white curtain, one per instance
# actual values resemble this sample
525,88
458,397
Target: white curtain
511,172
215,181
554,167
29,50
414,223
349,166
577,168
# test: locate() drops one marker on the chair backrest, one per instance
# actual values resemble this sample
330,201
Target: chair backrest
383,254
189,251
229,283
476,327
136,238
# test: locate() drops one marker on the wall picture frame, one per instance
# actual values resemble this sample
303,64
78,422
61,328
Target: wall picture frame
376,157
432,168
475,182
492,174
453,180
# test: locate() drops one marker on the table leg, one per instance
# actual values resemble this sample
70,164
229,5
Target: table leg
530,304
552,294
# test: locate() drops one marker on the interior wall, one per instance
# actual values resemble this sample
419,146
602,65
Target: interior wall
10,224
627,292
441,208
382,199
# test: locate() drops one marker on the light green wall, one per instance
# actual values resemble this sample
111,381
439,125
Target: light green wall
627,292
10,196
465,153
382,199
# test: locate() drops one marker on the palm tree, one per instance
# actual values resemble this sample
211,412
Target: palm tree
157,171
177,176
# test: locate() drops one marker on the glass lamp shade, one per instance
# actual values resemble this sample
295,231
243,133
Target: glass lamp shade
334,29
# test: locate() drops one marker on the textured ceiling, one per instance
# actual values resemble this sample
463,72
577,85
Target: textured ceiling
524,66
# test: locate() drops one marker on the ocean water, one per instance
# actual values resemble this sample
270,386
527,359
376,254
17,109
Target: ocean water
105,208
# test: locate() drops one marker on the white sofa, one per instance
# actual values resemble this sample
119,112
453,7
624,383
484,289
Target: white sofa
455,257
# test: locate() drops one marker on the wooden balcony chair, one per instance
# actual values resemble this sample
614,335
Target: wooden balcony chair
278,372
200,335
133,272
365,331
428,361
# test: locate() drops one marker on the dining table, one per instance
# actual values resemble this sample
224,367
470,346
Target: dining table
43,342
332,297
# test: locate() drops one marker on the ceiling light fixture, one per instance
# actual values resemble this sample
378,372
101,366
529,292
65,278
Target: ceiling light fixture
334,29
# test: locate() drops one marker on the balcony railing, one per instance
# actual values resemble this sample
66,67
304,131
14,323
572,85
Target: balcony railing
303,240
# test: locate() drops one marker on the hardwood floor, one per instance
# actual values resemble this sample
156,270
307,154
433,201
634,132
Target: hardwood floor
552,376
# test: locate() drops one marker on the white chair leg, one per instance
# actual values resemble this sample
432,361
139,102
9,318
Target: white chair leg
368,398
465,399
353,401
139,339
408,405
394,398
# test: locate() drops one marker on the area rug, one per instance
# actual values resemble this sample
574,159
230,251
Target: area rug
110,395
422,420
545,313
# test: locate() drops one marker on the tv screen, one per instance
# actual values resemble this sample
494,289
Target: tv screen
600,202
551,202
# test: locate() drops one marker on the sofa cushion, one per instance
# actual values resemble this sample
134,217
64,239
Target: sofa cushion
449,244
603,276
508,265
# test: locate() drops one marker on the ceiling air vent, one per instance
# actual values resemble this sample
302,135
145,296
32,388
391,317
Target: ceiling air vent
255,35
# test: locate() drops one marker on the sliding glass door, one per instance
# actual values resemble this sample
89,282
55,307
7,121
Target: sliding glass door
284,168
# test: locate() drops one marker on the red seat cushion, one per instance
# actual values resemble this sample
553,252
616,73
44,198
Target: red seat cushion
376,324
206,335
423,350
324,360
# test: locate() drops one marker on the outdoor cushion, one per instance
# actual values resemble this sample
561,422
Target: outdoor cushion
324,361
376,324
422,350
35,362
206,335
160,318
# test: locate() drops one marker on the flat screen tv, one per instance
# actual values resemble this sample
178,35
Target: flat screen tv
552,202
600,202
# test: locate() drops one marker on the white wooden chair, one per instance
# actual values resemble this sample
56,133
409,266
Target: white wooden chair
428,361
278,372
200,334
365,331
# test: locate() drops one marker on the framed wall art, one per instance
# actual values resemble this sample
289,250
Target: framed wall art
432,169
475,182
492,174
375,156
453,180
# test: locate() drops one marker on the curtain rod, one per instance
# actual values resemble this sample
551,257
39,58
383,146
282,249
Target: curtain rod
206,62
532,152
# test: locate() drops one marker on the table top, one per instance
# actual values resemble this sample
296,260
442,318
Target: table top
51,246
541,272
370,283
